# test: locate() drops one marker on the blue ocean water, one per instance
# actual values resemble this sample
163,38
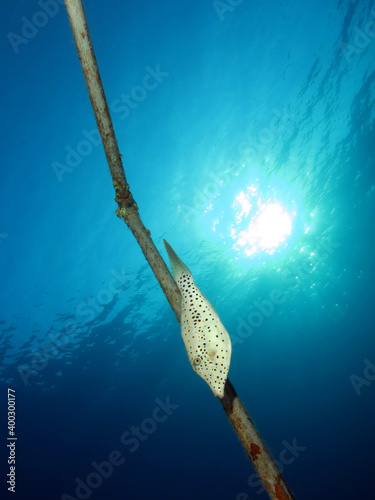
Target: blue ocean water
247,135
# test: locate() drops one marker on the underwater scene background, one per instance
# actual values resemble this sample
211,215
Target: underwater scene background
247,135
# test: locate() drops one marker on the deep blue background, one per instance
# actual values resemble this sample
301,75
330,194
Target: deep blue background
277,95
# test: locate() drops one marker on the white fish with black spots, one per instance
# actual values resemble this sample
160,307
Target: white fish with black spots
206,340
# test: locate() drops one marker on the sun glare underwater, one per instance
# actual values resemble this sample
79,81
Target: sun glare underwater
258,219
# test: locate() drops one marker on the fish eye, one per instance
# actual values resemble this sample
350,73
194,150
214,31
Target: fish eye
197,361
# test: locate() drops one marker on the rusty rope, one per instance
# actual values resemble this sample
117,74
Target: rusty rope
255,448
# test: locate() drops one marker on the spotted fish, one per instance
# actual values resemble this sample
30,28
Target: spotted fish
207,342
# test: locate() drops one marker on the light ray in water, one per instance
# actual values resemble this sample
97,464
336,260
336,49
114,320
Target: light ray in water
269,226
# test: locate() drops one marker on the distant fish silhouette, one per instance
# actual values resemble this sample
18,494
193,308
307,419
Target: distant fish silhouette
207,342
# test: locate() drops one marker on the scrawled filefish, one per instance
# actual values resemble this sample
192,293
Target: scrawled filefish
207,342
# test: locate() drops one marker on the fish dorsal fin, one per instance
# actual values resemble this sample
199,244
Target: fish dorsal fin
206,340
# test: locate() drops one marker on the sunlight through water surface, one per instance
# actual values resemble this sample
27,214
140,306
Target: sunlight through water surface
262,224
